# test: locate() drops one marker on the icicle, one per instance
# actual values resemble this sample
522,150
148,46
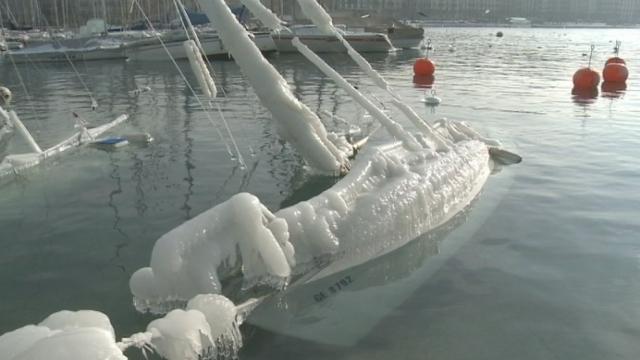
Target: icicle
392,127
200,69
26,135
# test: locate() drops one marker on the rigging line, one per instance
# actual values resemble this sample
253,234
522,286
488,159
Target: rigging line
24,87
184,78
182,12
94,103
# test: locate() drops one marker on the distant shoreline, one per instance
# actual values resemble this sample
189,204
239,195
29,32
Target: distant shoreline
434,24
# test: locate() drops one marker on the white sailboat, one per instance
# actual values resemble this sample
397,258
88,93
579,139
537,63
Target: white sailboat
319,42
151,49
16,164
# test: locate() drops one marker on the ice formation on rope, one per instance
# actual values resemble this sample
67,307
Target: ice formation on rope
200,69
319,17
65,335
296,123
322,20
207,329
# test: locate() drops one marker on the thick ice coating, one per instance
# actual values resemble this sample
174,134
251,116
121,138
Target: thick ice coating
393,195
65,335
239,236
221,314
296,123
181,335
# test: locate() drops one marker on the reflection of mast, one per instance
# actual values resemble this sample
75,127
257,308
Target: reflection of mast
115,175
188,163
138,168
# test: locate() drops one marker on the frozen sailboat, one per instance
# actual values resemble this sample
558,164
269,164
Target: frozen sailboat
16,164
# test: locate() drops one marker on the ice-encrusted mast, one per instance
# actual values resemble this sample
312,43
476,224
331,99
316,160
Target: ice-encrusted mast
296,123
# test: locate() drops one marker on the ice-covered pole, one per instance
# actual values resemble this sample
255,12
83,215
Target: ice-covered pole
200,69
392,127
319,17
296,123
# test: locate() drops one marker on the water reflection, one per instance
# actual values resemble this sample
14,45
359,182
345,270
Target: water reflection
423,82
111,203
584,96
613,90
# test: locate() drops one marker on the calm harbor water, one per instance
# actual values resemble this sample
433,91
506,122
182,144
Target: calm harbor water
545,264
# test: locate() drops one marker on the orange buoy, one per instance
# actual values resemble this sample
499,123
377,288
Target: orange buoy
424,67
615,60
586,78
615,73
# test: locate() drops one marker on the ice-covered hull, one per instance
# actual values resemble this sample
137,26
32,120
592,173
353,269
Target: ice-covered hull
392,196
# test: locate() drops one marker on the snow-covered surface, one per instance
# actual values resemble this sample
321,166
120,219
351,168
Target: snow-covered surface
296,123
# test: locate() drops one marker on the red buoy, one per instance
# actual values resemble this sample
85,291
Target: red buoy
615,60
424,67
586,78
615,73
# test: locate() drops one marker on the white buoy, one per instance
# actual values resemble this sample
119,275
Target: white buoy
432,99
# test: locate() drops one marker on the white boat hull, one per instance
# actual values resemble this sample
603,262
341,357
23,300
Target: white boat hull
15,164
34,55
152,50
330,44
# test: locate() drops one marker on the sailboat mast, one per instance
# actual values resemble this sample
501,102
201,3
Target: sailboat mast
104,12
55,12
